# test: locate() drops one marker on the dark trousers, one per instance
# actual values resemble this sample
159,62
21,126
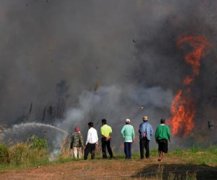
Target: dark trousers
90,148
127,150
162,145
144,143
106,144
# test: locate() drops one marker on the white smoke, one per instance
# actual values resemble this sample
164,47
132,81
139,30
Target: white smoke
115,103
111,101
101,101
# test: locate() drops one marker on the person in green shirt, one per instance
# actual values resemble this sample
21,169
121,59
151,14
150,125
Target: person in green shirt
162,136
106,132
128,134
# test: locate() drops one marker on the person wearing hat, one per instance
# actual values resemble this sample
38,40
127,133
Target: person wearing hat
77,143
128,134
162,136
145,134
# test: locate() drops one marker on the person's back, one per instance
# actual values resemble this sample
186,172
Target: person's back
128,132
92,136
77,143
162,136
106,130
162,132
77,140
146,130
91,142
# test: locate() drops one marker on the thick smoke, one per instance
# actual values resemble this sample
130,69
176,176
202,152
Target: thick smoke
69,62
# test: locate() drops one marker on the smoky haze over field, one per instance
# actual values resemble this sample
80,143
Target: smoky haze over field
68,62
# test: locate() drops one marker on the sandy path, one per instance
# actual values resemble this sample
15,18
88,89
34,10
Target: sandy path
109,169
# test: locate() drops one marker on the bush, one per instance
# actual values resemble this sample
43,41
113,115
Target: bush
19,153
4,154
37,143
32,152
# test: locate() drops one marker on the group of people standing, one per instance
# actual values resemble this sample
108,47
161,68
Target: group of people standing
162,136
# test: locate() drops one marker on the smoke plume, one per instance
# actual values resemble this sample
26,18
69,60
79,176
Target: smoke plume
65,63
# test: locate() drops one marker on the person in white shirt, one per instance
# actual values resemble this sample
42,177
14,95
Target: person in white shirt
91,142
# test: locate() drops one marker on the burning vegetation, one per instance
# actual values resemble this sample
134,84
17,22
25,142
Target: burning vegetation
65,63
183,107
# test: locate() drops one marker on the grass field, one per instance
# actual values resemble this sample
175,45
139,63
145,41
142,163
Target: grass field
193,163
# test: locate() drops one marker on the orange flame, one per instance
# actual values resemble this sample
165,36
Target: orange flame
183,112
199,44
182,108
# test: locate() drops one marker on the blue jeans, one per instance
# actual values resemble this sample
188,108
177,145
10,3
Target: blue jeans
127,150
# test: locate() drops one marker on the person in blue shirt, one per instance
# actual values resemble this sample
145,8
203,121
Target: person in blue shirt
145,134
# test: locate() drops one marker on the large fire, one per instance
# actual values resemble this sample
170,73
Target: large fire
183,108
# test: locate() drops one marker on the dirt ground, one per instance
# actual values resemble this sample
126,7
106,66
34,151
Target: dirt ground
114,169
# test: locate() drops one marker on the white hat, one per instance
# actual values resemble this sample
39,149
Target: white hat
127,120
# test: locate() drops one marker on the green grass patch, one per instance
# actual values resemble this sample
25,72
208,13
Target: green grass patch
196,155
34,152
